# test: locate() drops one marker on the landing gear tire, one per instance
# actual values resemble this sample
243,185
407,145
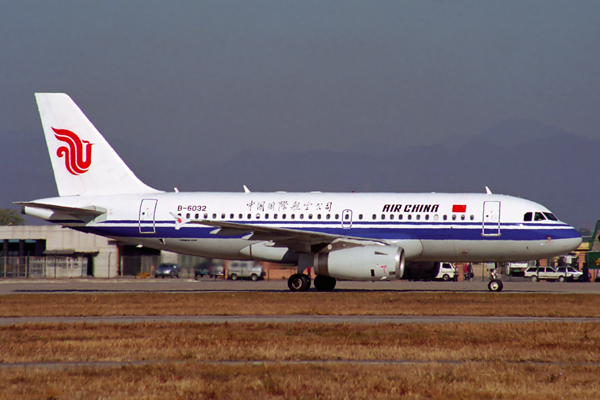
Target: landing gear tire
299,283
495,286
324,283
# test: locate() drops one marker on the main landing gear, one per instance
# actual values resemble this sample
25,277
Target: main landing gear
301,283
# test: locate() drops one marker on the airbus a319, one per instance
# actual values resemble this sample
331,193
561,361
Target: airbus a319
351,236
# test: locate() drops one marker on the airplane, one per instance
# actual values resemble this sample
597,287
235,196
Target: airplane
350,236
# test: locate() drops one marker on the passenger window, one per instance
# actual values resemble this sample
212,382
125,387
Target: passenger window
240,216
257,216
527,216
436,217
231,216
382,216
400,216
472,217
283,216
214,216
328,216
318,216
266,216
347,216
360,216
249,216
301,216
337,216
309,216
223,216
374,217
206,216
196,216
539,217
453,217
418,216
293,216
409,217
392,216
274,216
445,217
462,217
187,215
427,217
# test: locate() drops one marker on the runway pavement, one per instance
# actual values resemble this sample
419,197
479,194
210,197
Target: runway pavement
120,285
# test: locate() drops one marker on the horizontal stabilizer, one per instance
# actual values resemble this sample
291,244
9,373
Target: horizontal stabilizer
75,211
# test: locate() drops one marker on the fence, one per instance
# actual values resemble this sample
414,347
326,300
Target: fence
43,267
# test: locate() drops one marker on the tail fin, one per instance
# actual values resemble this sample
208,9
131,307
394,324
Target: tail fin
82,160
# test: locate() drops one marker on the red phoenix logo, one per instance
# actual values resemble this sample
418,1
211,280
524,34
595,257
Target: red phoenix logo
74,151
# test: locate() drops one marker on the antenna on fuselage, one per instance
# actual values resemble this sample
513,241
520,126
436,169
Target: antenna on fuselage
487,190
246,190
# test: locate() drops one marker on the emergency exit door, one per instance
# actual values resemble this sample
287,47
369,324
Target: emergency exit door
491,218
147,211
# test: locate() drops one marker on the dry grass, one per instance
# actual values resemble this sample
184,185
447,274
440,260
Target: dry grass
257,303
193,381
538,342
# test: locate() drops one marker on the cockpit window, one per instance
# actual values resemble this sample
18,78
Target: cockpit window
539,217
527,216
550,216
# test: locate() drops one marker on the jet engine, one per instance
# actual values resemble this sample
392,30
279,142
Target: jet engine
368,263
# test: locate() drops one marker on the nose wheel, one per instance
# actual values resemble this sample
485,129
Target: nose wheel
495,285
299,283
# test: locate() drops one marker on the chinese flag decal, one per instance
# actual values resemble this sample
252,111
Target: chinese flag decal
459,208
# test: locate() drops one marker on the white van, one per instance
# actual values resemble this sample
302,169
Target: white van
245,269
447,272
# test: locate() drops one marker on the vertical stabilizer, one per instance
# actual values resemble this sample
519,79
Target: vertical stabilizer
83,161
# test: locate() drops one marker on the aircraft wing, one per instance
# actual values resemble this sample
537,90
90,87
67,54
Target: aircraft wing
74,211
298,240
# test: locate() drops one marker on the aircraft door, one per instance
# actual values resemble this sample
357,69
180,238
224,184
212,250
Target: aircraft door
491,218
347,219
147,211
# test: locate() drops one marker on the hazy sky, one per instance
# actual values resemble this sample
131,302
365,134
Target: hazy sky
210,78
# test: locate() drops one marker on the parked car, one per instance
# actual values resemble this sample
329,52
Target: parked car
245,269
167,269
548,274
570,273
447,272
207,268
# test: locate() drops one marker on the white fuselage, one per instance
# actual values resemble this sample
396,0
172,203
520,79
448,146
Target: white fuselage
429,226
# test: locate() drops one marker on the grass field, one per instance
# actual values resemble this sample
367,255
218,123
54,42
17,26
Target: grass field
313,303
454,360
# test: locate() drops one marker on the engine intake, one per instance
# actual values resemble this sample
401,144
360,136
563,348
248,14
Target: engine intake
369,263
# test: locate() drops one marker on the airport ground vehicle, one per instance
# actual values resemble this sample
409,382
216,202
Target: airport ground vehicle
552,274
570,273
245,270
207,268
428,271
447,272
167,269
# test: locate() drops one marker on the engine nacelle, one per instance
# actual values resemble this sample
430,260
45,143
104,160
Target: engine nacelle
369,263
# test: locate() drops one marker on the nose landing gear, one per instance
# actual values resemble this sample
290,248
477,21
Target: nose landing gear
495,284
